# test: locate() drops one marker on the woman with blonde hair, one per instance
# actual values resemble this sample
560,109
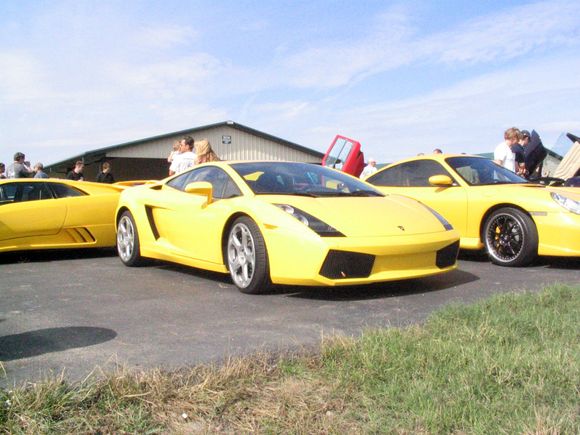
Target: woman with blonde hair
204,152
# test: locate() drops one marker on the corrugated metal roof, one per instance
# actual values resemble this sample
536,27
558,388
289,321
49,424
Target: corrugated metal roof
231,124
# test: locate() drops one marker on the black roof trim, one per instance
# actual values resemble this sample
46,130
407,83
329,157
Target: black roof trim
191,131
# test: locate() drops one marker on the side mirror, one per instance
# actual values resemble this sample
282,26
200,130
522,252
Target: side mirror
202,188
440,181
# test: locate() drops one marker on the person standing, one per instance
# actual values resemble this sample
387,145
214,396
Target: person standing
105,176
504,154
2,170
369,169
19,169
39,171
185,159
77,173
204,153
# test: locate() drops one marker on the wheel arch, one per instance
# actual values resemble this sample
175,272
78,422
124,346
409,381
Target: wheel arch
226,231
120,212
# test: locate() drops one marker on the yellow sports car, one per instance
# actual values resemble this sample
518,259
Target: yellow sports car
282,223
490,206
56,214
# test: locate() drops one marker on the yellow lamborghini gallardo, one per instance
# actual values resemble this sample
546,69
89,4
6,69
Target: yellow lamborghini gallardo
490,206
282,223
56,214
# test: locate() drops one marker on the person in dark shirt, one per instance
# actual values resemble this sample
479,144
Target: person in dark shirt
2,170
105,175
77,173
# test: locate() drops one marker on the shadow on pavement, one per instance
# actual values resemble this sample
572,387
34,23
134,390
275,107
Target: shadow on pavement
55,255
346,293
41,341
380,290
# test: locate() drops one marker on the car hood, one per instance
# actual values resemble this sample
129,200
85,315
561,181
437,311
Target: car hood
392,215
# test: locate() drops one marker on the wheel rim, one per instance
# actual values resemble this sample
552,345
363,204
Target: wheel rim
505,238
125,238
241,255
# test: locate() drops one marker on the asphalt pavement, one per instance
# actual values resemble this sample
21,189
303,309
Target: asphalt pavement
83,311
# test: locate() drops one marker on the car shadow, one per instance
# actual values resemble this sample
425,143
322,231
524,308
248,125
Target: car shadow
55,255
559,263
379,290
41,341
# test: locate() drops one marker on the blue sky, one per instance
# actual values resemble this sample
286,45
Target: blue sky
401,77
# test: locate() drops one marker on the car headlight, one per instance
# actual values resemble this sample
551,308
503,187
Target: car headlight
568,203
315,224
444,222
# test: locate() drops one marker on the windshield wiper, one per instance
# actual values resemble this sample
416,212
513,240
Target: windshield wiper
365,193
311,195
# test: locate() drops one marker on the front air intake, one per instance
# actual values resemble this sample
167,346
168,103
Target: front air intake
447,256
342,265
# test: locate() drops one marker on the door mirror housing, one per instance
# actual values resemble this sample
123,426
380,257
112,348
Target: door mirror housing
202,188
440,181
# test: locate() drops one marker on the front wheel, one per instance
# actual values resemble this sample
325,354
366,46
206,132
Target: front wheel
510,237
128,241
247,257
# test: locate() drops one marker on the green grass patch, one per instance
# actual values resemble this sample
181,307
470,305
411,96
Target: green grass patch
509,364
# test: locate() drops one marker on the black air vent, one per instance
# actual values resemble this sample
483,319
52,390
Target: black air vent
341,265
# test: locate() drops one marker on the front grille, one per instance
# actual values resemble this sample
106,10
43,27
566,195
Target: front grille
341,265
447,256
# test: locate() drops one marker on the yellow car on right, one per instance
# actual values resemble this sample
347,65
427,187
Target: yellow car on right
490,206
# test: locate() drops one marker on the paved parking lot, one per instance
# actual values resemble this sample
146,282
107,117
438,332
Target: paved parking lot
74,311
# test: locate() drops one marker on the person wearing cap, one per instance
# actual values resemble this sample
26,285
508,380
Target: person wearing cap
519,151
19,169
369,169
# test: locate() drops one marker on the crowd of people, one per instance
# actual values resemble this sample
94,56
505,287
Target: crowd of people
185,154
521,152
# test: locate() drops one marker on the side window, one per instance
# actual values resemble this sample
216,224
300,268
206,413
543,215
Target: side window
410,174
33,192
64,191
223,185
8,193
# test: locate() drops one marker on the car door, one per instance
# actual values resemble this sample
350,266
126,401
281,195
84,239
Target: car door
412,179
28,209
190,225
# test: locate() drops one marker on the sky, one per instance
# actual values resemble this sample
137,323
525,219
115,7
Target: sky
401,77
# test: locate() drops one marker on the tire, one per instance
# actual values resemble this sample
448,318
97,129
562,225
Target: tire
510,237
247,258
128,241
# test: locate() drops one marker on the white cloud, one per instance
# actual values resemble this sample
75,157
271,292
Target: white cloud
395,42
164,37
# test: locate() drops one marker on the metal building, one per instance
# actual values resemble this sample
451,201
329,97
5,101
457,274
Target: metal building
147,158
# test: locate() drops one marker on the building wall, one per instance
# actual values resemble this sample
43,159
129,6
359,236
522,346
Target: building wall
241,146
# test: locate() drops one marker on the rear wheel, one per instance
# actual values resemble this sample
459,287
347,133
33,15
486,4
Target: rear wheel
247,257
128,241
510,237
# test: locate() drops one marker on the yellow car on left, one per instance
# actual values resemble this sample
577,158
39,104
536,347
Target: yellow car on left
56,214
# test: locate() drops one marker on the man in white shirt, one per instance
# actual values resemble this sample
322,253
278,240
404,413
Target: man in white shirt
369,169
186,157
503,154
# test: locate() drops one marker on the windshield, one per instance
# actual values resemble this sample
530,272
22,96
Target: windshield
289,178
478,171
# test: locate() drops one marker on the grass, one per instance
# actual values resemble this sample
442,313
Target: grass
510,364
